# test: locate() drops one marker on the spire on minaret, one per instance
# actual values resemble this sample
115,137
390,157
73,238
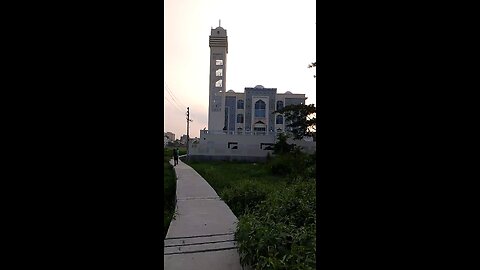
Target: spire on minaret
219,23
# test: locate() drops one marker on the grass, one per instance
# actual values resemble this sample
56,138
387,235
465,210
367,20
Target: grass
169,189
182,150
223,174
276,208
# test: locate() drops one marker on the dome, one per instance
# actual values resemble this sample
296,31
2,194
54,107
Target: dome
259,86
288,92
230,91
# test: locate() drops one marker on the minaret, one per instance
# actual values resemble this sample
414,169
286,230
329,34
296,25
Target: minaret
218,70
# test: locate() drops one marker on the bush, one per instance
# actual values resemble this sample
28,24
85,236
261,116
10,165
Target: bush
311,166
295,164
281,146
245,195
282,165
169,190
281,232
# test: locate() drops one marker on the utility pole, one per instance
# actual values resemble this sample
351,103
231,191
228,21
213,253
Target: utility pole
188,127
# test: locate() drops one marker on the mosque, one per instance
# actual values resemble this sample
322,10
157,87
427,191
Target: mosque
241,126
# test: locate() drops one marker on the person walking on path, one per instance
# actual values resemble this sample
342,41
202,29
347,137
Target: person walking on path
175,157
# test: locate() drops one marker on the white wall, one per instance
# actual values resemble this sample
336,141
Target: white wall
248,145
217,144
307,146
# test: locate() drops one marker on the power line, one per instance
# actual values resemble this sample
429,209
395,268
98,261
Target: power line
173,104
174,101
170,92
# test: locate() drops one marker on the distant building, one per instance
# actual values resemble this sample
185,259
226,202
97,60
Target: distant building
165,140
183,139
170,136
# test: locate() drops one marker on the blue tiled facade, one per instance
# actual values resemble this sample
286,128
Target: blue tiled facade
265,121
271,94
231,103
293,101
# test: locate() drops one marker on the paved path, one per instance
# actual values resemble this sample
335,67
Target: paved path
201,235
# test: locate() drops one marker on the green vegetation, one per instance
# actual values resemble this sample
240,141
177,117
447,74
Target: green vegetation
182,150
245,195
222,174
275,203
281,232
169,189
301,119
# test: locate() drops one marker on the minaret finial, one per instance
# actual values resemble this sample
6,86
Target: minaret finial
219,23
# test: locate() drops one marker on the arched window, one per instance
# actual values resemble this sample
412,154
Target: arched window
219,72
260,108
240,118
240,104
279,119
218,83
259,127
279,105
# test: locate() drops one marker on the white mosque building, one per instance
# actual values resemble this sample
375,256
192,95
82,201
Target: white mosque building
241,126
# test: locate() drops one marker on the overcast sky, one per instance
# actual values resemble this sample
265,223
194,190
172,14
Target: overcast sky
270,43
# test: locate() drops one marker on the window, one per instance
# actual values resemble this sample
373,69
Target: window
259,127
219,72
279,105
218,83
260,108
279,119
219,62
266,146
240,104
240,118
226,119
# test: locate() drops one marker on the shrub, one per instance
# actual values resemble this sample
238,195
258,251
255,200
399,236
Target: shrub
245,195
282,165
169,190
167,154
311,166
281,146
280,233
295,164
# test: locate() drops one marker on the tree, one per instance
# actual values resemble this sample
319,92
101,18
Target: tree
301,118
281,146
312,65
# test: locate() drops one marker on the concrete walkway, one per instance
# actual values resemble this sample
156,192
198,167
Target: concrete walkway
201,235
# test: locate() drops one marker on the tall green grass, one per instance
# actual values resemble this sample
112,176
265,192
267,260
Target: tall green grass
275,203
169,189
182,150
222,175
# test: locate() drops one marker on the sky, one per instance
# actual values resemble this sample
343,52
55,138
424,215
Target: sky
270,43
